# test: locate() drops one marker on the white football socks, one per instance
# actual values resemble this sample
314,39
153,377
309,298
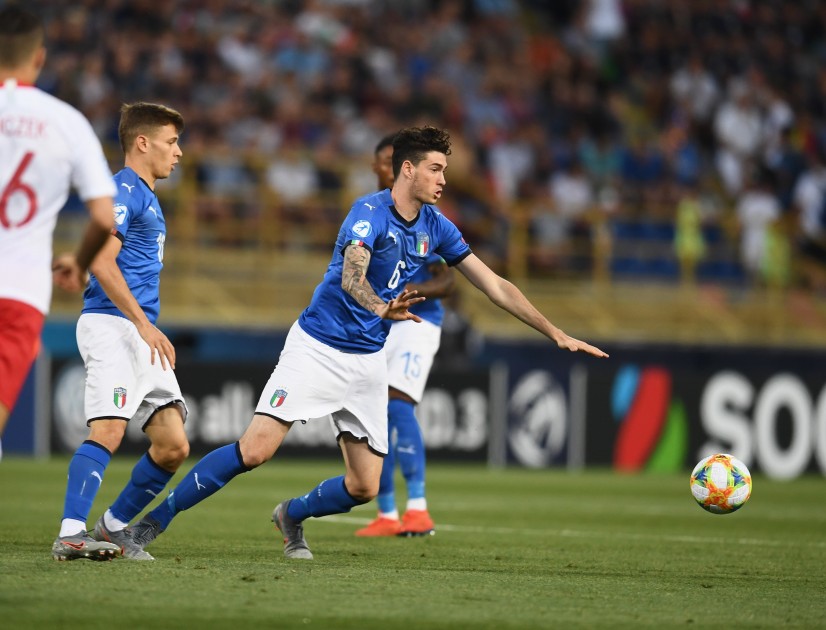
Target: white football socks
113,524
71,527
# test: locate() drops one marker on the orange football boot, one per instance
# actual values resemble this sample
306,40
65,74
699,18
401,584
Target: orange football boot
417,523
381,527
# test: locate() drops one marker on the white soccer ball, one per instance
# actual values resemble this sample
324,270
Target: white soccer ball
721,483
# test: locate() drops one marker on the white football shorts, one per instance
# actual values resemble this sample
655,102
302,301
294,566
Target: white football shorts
121,382
410,349
313,381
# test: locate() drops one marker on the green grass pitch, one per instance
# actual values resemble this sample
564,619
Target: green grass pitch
514,549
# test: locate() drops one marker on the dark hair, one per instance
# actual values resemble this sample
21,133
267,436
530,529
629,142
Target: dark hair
414,143
21,32
387,141
143,118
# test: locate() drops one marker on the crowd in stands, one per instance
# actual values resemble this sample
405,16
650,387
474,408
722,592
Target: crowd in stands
697,125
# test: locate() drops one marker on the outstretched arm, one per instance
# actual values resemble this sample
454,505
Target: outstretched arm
354,281
508,297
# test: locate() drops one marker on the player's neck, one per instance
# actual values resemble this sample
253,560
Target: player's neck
143,172
25,73
408,207
22,78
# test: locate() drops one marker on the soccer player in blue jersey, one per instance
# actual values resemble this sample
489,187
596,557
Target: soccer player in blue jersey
411,347
333,361
129,362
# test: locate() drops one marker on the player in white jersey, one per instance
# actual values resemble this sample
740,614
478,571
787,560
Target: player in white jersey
333,360
129,362
46,148
411,347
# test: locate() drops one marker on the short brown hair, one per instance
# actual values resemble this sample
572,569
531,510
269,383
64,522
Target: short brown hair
414,143
21,33
142,119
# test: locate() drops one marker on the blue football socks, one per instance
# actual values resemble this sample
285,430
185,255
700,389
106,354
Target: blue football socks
85,476
148,479
387,495
409,448
328,497
213,472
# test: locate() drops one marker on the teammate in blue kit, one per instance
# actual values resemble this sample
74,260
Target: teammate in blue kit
411,347
129,362
333,361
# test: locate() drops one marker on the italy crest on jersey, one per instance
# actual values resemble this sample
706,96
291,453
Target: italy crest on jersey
278,398
120,397
422,244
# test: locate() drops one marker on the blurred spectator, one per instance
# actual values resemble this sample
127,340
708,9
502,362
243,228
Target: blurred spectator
696,91
689,243
604,21
776,267
739,131
810,202
787,163
631,88
643,173
757,210
572,192
510,159
683,155
601,159
292,176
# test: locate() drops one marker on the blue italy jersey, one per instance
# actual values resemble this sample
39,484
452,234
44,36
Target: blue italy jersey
431,309
140,226
398,249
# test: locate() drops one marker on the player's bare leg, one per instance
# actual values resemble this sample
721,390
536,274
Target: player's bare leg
262,439
363,466
4,417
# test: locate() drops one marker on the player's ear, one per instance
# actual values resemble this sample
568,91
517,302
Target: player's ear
407,169
40,58
142,143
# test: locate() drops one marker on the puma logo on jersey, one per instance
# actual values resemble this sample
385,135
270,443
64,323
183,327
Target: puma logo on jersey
155,212
369,206
393,236
127,187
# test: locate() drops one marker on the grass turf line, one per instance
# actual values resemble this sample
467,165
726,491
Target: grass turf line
514,549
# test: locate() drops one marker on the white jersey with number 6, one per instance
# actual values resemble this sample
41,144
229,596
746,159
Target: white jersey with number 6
46,148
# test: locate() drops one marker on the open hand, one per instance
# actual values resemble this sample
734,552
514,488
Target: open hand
566,342
158,342
396,309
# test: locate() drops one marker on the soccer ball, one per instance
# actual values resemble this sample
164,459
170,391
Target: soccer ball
721,484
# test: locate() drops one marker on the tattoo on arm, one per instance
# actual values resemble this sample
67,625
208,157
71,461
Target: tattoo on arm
354,278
